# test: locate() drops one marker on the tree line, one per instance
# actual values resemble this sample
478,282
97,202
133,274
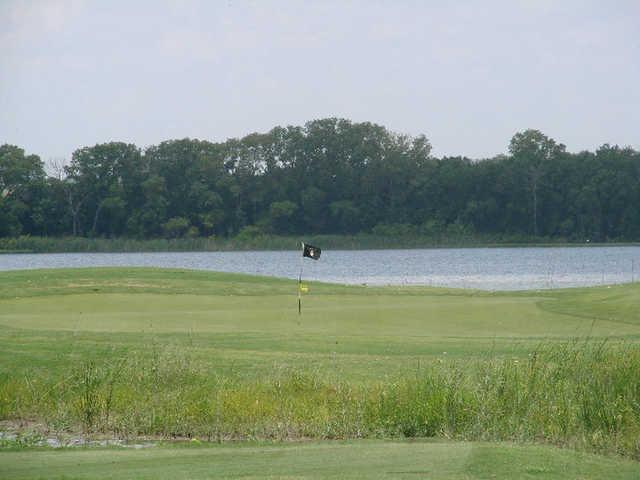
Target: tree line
330,176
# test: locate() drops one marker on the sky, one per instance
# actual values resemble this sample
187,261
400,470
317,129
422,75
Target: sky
467,74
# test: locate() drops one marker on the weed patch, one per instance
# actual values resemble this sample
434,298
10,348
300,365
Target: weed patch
579,394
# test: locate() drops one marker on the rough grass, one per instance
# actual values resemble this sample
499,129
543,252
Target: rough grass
581,395
173,354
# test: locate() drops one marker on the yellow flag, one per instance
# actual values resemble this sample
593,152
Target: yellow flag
304,288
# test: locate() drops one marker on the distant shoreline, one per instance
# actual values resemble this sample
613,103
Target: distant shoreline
28,244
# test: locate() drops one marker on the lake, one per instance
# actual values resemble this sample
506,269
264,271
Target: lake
481,268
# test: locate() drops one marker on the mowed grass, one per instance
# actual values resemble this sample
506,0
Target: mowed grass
362,459
246,324
185,354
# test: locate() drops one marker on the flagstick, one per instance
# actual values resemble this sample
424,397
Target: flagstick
300,282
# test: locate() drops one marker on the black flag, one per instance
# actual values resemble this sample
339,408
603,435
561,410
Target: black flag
311,251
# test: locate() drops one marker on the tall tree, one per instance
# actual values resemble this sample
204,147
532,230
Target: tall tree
22,179
104,177
534,151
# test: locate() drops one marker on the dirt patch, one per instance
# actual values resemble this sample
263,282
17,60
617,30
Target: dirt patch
33,434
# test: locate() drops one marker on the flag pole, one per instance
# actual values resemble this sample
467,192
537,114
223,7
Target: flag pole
300,282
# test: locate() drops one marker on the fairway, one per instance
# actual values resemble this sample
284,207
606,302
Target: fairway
162,354
363,459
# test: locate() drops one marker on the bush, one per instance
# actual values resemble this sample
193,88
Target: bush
249,232
394,229
176,227
192,232
432,228
281,215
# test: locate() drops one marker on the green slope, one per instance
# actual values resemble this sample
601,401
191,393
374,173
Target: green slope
48,315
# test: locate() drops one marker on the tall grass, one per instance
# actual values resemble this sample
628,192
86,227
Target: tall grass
580,394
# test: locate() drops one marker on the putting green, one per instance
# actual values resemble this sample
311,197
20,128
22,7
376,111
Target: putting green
248,324
378,314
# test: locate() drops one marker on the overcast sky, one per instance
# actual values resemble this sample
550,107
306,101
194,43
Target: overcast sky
467,74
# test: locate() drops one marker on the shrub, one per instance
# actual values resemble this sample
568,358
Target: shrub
176,227
394,229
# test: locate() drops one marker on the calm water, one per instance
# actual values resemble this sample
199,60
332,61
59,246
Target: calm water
484,268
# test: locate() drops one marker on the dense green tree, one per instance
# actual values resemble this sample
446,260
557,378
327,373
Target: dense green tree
281,217
176,227
345,216
22,182
534,152
104,180
328,176
195,183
